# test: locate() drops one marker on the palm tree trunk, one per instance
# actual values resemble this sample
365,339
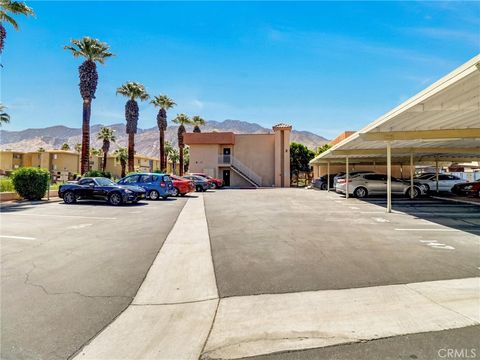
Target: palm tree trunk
122,163
180,171
85,165
131,152
104,161
162,150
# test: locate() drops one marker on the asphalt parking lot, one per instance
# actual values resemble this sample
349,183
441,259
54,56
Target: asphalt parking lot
288,240
68,270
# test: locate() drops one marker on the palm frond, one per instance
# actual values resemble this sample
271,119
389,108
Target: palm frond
182,119
197,120
163,101
133,90
5,17
89,48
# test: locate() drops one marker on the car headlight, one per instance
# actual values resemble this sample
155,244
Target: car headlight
128,191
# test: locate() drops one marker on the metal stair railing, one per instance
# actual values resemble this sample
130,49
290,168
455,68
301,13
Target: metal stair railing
246,171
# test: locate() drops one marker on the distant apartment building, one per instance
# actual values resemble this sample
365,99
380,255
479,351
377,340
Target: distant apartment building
243,160
63,165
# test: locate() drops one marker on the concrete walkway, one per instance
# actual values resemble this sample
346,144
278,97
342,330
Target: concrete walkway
176,314
173,311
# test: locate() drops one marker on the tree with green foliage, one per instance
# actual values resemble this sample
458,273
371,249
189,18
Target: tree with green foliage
4,117
321,149
121,155
300,156
31,183
7,9
133,91
174,156
164,103
106,135
181,120
197,121
93,51
41,149
65,147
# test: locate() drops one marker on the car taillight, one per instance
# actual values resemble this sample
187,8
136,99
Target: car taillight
162,184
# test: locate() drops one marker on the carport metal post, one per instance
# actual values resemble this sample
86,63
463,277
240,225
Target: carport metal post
411,175
389,177
436,175
328,176
346,177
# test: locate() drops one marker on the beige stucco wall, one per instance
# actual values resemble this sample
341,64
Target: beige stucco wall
64,162
204,159
6,160
256,151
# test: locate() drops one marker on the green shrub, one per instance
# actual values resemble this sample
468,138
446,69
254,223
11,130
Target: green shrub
6,184
31,183
97,173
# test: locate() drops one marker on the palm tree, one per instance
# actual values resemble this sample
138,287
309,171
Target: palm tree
182,120
41,149
164,103
133,91
197,121
65,147
121,154
173,156
107,135
78,147
93,50
186,157
168,149
4,117
7,9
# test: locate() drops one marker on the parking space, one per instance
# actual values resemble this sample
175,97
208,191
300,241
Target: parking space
289,240
69,270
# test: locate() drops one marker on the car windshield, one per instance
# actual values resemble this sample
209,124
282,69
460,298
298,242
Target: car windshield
104,182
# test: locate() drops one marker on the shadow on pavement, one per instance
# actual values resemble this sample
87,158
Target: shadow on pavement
459,216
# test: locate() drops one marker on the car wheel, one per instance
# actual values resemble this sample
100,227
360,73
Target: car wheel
427,188
360,192
153,195
115,199
214,185
69,197
198,188
175,192
323,186
416,191
183,194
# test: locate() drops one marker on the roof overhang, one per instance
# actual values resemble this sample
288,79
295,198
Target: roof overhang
440,123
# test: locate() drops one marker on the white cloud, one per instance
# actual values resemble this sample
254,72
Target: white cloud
197,103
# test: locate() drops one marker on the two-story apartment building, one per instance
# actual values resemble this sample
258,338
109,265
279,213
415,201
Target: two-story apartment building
243,160
64,164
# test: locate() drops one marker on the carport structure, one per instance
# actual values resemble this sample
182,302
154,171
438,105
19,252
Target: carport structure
439,124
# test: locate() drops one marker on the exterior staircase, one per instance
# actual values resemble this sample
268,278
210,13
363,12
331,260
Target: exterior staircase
245,172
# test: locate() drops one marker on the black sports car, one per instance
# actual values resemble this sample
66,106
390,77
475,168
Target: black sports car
100,188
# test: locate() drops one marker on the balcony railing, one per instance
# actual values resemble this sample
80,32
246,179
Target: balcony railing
224,159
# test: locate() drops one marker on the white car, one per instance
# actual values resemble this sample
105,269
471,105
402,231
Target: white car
445,182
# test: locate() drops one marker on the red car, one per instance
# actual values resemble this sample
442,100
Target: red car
214,182
181,186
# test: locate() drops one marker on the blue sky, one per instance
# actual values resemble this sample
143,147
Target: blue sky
321,66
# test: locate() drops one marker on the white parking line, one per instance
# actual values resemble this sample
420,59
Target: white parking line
381,220
62,216
79,226
17,237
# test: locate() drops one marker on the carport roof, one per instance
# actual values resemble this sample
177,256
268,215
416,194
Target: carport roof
440,123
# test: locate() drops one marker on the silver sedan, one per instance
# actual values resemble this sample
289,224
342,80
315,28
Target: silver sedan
363,185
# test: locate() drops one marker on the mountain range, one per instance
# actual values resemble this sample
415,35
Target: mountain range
146,140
